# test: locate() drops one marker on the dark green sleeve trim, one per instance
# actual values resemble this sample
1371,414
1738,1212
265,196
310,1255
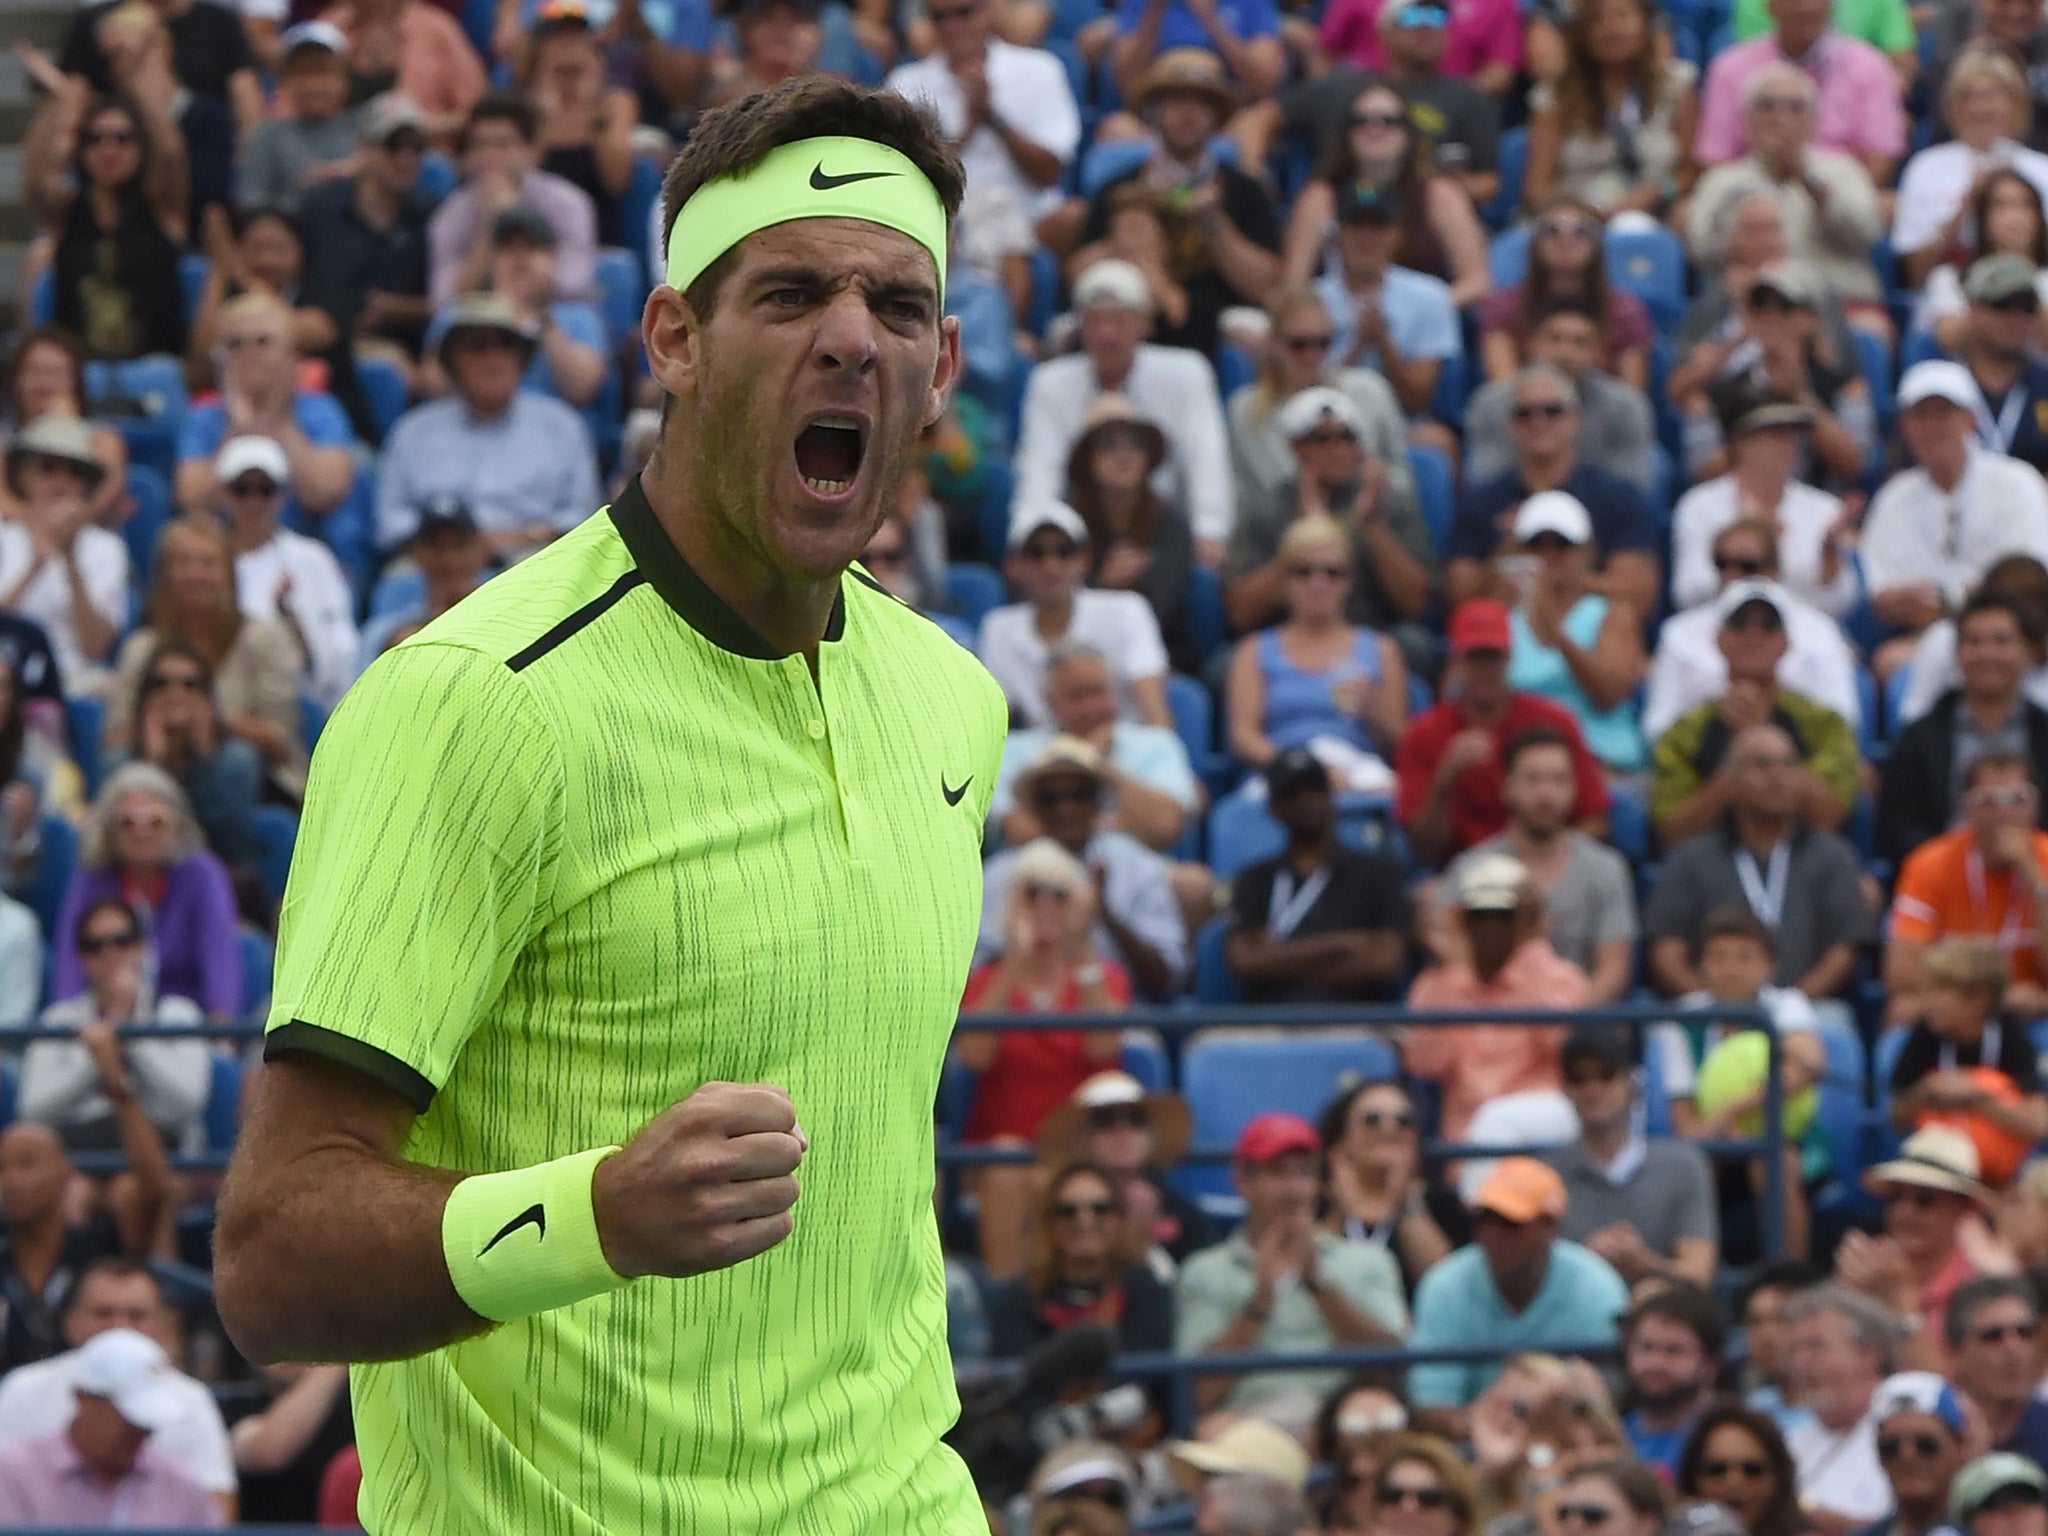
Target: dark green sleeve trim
345,1050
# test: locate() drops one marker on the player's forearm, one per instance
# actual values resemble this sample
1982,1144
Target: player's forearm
337,1256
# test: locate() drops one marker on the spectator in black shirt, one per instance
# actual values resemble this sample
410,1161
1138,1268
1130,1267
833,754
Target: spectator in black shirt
283,1447
1965,1028
1114,1124
210,53
1376,1188
1998,334
1321,922
1996,650
1085,1265
42,1252
1218,239
366,238
586,126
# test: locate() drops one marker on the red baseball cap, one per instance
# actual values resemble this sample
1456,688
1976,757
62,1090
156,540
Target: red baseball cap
1480,624
1275,1135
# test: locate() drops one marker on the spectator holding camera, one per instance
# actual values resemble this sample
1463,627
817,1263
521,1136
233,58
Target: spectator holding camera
178,728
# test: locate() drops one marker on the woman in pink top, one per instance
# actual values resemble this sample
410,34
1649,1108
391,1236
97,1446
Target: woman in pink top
416,49
1496,957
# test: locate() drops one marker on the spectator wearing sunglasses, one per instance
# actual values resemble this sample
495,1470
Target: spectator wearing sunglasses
77,1087
1987,878
1920,1437
1934,1200
1423,1489
1996,343
1617,429
1736,1457
1829,204
1694,779
1923,776
1767,433
2001,1494
57,569
1376,1188
282,575
1566,262
1619,1496
1991,1325
1281,1284
1114,1123
143,844
1084,1264
178,728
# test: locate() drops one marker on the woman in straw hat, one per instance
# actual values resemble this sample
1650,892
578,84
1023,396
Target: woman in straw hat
1132,1134
1934,1235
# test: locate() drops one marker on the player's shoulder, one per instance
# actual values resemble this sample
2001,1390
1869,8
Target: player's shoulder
914,644
520,610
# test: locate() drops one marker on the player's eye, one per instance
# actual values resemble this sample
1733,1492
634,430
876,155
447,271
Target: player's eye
786,298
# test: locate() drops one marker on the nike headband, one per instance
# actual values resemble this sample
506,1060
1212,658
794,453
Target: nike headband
823,178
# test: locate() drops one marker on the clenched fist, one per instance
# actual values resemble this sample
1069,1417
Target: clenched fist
706,1184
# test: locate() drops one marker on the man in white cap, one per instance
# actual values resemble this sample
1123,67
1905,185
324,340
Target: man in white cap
284,575
1338,475
101,1469
1047,561
1689,787
1175,387
312,135
1934,530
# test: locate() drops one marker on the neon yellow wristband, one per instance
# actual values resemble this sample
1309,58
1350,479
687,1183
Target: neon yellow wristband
525,1241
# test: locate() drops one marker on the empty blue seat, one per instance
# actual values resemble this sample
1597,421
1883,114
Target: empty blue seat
1229,1079
85,721
1433,488
1194,716
621,293
1649,263
1205,611
972,589
1216,985
277,829
1145,1059
1241,832
1513,157
1507,256
152,495
383,389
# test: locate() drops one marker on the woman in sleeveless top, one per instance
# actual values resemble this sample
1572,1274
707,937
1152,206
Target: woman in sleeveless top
1440,231
108,179
1573,645
1313,674
586,130
1614,131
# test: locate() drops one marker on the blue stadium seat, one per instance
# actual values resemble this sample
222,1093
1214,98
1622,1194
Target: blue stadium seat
1919,347
1847,1061
1047,283
1103,163
1876,742
10,1091
276,830
1063,49
1447,404
1194,716
383,388
1227,1080
1215,985
1874,361
1507,256
438,176
1854,1143
636,213
1145,1059
85,721
998,486
223,1103
152,494
399,588
1884,1060
55,863
1514,162
621,294
1070,16
1433,487
312,721
1241,832
257,959
972,589
1205,611
1649,263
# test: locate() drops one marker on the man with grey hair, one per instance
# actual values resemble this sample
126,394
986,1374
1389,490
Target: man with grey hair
1172,385
1250,1506
1617,429
1757,233
1828,201
1545,413
1839,1348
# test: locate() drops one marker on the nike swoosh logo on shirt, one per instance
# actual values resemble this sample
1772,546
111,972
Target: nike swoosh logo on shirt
953,795
535,1216
820,182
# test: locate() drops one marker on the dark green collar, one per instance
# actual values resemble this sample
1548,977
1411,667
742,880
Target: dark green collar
685,591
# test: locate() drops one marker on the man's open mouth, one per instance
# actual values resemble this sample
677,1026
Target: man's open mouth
829,453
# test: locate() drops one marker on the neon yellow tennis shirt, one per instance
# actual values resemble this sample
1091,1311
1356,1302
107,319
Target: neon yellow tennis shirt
583,844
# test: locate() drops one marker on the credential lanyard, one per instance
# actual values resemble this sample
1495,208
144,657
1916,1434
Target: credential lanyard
1765,893
1288,906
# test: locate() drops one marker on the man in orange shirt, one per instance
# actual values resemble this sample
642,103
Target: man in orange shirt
1987,878
1499,959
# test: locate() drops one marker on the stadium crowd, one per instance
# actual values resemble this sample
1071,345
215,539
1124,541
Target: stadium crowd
1512,508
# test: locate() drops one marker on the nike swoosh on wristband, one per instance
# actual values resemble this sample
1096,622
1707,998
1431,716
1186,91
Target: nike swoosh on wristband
820,182
535,1216
953,795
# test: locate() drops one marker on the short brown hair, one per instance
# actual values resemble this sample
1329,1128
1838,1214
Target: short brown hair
1968,964
730,139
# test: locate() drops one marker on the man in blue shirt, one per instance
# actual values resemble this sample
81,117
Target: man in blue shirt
1671,1353
1993,1325
1245,34
1385,317
1516,1286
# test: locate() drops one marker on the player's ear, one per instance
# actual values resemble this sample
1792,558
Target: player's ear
673,335
946,372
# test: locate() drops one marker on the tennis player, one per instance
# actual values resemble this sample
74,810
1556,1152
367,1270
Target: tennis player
631,893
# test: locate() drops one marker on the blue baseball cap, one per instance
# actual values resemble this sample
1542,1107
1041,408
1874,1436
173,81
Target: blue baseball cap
1919,1392
1422,15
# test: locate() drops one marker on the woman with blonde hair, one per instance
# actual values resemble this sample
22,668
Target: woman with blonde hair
258,664
1314,674
143,844
1296,357
1989,109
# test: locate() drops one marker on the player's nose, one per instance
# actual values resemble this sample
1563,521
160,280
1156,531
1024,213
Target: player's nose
848,340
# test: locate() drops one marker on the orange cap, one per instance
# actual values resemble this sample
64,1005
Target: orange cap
1521,1189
